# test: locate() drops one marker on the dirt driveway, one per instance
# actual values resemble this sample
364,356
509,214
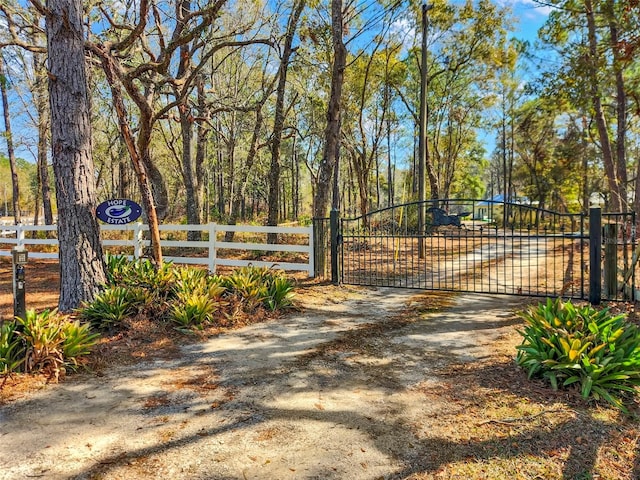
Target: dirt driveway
347,388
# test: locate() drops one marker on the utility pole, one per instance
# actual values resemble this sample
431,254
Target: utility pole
422,132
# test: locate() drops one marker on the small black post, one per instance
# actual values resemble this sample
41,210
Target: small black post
335,233
610,267
595,255
19,257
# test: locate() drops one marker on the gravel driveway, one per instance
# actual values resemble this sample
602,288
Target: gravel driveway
333,391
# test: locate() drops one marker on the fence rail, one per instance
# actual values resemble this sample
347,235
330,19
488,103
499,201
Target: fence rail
17,235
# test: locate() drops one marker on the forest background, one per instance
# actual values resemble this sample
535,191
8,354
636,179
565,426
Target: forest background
230,105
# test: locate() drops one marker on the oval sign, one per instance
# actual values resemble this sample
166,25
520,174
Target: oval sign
118,211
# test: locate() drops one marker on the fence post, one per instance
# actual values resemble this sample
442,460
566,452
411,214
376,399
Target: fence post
137,240
312,249
610,271
212,247
320,247
334,232
595,255
19,236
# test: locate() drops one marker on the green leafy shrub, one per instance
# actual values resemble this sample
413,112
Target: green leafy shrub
113,305
197,298
42,334
11,348
190,277
193,310
52,342
260,286
279,292
141,272
78,340
594,350
187,296
249,284
193,280
118,269
158,280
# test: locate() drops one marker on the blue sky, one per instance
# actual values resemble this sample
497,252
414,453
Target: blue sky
530,16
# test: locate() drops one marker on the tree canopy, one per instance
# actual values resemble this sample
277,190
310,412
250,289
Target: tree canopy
265,111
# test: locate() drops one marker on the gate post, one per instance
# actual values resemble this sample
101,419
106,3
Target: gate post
610,270
595,256
335,234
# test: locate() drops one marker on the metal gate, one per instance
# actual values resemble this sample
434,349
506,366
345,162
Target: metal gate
490,247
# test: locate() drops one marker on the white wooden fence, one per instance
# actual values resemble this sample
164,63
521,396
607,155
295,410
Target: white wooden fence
15,235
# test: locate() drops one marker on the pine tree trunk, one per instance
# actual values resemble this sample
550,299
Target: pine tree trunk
601,123
41,103
331,152
81,261
8,136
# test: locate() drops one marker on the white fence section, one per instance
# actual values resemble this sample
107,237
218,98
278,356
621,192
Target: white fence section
15,235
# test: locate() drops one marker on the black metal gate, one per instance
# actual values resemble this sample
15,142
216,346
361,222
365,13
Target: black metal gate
490,247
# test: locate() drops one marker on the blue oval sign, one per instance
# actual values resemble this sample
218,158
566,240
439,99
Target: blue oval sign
118,211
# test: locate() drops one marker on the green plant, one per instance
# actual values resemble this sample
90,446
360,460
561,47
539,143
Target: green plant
567,345
249,284
193,311
260,286
118,269
197,298
11,348
53,342
157,280
305,220
279,292
188,280
186,296
78,340
42,334
142,272
112,306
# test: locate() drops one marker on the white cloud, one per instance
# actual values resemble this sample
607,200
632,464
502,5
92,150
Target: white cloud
530,8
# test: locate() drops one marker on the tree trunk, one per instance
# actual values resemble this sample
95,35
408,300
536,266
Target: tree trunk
193,204
243,177
621,108
601,122
295,182
278,125
219,170
390,185
36,207
41,104
331,153
139,165
183,10
8,136
82,270
362,176
202,132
